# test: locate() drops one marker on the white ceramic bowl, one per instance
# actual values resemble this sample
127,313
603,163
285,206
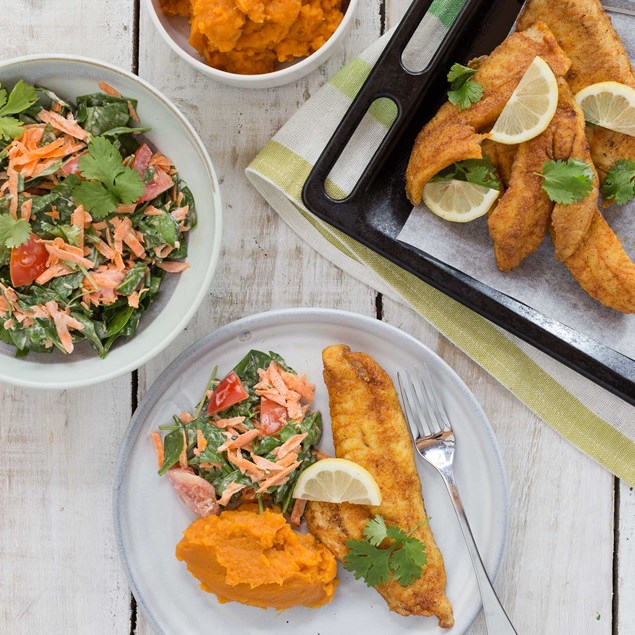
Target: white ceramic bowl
176,32
180,295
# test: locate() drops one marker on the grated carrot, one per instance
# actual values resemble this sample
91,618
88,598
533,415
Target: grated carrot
109,90
158,448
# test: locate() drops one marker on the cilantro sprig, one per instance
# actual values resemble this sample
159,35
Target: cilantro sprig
13,231
21,97
108,182
619,184
464,91
402,559
567,181
477,171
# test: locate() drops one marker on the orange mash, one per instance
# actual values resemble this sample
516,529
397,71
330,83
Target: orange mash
257,559
250,36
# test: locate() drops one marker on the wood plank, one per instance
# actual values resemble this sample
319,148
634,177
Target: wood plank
625,618
60,568
264,264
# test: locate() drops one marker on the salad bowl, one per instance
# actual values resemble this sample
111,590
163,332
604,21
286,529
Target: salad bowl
179,295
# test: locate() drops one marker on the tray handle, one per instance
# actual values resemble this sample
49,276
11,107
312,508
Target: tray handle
391,79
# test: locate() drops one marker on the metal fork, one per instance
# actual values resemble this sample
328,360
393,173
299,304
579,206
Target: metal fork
434,439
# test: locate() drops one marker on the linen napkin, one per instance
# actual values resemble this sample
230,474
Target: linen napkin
595,421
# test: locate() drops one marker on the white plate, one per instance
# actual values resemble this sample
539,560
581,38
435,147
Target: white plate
149,519
181,295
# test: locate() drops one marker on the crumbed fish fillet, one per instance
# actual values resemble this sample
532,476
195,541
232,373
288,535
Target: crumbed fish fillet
603,269
369,428
454,135
520,220
585,33
571,222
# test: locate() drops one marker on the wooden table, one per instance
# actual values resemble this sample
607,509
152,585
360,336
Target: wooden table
570,561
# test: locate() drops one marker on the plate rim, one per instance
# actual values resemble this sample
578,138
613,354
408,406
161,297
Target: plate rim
226,332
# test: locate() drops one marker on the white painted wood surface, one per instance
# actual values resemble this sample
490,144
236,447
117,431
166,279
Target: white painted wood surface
59,571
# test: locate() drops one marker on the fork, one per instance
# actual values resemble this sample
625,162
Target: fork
433,438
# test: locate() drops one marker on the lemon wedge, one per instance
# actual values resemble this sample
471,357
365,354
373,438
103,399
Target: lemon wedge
610,105
458,201
337,481
531,107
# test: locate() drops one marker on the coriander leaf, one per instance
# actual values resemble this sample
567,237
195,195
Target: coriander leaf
102,162
109,182
619,183
464,91
567,181
408,561
368,562
21,97
95,198
10,128
469,93
477,171
375,531
13,232
403,559
460,72
396,533
3,97
128,186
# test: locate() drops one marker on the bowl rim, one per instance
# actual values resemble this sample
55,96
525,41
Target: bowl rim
262,80
215,246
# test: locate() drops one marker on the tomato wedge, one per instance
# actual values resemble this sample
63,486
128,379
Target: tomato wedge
196,493
160,182
141,159
273,416
28,261
229,392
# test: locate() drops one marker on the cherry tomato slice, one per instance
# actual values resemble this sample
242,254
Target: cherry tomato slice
273,416
196,493
229,392
28,261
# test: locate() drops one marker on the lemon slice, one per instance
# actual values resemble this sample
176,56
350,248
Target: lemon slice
458,201
610,105
531,107
338,481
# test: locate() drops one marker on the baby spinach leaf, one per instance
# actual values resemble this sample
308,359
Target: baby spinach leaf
133,278
172,448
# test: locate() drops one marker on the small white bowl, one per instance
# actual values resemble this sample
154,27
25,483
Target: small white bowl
180,295
176,32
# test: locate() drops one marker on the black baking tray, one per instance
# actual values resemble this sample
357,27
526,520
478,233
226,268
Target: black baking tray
377,208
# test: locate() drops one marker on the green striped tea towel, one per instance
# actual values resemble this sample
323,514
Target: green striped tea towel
598,423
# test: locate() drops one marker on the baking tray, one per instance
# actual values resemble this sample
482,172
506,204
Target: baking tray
377,208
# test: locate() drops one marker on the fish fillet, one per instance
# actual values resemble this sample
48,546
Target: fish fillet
454,135
519,222
603,269
502,156
369,428
584,31
571,222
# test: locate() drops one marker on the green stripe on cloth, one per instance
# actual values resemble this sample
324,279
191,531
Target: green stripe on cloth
480,339
446,10
350,79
